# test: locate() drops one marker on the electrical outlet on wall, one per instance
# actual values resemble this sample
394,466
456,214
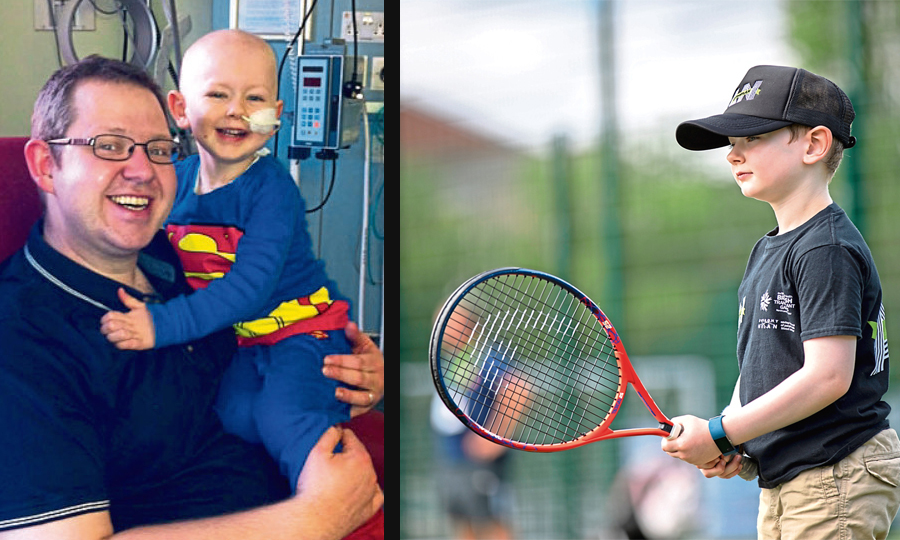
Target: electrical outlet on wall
369,26
377,82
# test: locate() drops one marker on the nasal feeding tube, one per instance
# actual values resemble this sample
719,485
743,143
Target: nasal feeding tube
263,121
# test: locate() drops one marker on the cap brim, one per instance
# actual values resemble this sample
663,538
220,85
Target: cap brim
713,132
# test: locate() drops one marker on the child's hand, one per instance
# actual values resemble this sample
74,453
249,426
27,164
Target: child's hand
695,445
133,330
723,467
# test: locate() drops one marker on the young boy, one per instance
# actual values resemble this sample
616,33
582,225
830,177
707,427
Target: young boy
811,345
238,225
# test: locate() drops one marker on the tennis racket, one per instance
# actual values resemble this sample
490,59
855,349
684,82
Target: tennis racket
526,360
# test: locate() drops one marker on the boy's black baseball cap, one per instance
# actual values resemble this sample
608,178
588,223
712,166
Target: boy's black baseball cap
770,98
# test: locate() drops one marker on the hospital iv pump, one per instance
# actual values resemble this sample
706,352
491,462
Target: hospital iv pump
329,102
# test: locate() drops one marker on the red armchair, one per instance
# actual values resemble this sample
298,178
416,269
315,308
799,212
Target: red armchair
20,205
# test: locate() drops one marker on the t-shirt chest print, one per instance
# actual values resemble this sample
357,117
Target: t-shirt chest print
776,311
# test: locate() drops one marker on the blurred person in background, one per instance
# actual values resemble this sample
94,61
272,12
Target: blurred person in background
472,472
472,475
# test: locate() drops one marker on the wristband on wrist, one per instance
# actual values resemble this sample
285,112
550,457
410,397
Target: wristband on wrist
719,437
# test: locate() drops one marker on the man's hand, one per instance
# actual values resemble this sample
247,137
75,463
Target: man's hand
340,484
363,369
133,330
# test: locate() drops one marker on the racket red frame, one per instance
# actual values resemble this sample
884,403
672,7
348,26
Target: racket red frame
627,377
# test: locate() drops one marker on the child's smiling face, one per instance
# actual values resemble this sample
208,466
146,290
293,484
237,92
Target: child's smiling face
226,77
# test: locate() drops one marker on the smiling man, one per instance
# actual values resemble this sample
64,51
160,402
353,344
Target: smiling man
106,443
101,212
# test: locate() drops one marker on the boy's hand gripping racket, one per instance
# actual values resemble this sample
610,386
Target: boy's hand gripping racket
526,360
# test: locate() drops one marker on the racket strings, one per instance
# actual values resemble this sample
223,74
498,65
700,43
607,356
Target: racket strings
528,361
564,410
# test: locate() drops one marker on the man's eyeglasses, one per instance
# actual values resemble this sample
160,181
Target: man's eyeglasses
120,148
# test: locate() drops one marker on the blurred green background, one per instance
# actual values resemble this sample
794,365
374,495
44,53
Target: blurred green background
656,235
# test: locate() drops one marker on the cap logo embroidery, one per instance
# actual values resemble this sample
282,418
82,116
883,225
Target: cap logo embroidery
747,92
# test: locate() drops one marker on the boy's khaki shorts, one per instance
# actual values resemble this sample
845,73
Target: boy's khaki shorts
856,498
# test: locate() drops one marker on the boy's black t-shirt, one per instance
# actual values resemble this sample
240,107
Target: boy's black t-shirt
815,281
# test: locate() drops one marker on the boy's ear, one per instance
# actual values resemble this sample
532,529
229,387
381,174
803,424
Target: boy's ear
177,109
818,141
41,164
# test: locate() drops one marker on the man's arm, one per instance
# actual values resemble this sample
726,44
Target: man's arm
336,494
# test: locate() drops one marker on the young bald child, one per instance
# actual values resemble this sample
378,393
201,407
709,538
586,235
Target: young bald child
239,227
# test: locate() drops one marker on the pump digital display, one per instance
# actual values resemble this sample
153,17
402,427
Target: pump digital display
314,82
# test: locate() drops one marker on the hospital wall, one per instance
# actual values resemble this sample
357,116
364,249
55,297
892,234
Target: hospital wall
30,56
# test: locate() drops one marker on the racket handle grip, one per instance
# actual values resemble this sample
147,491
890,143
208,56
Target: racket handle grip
676,431
749,468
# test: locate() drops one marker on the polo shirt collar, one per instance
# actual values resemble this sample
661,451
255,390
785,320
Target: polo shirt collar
87,285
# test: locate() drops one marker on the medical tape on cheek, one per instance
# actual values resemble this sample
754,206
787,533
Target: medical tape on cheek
263,121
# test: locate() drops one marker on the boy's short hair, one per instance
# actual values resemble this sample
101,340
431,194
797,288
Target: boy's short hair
835,154
770,98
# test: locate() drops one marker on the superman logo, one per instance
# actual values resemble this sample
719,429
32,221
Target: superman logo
206,251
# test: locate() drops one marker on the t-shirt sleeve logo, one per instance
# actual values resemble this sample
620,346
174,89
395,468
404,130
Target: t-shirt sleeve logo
881,344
